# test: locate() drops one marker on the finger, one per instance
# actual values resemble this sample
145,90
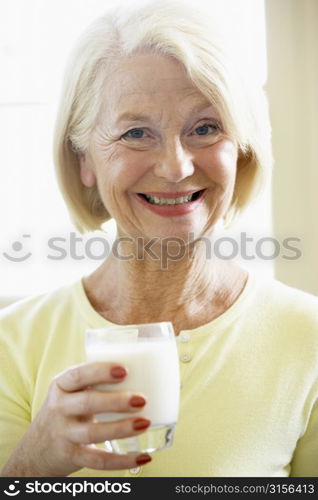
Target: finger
81,376
95,458
97,432
90,402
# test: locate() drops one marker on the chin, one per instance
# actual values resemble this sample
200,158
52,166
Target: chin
176,235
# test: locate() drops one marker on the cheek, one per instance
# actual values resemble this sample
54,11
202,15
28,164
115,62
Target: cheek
220,161
125,167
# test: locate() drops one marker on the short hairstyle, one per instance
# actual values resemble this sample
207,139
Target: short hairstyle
168,27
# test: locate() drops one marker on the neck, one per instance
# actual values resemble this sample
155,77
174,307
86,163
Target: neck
183,290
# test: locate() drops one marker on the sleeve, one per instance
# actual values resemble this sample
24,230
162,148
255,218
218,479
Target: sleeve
14,396
305,458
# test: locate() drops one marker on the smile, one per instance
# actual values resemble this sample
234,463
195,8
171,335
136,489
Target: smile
169,200
171,204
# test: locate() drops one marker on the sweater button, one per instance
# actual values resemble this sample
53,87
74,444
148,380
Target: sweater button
185,358
184,337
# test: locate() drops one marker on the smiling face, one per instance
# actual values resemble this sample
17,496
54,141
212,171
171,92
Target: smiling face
157,140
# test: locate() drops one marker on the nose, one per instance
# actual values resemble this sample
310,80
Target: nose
174,162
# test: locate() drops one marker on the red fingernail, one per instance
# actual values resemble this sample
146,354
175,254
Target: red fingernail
141,423
137,401
118,372
143,459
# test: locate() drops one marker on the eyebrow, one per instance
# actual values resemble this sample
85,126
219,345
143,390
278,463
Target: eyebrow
134,117
128,116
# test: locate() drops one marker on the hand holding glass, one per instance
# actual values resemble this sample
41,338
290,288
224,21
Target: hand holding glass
149,353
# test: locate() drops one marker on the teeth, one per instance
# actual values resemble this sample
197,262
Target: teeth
168,201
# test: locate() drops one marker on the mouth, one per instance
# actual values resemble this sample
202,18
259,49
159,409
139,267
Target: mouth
171,198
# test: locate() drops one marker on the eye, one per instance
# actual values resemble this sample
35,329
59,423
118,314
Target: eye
135,133
207,128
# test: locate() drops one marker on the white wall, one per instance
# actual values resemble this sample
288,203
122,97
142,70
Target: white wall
292,32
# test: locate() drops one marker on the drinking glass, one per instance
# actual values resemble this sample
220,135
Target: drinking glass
149,352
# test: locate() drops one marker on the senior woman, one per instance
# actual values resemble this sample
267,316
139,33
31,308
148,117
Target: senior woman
157,131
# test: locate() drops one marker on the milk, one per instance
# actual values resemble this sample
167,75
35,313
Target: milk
153,370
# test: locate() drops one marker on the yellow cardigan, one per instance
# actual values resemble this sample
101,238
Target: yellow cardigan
249,396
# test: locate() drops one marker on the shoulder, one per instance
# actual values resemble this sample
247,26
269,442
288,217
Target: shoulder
38,307
288,313
283,299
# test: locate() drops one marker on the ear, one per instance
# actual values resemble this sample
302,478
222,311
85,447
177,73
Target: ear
87,173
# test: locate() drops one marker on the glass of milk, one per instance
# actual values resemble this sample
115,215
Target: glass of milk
149,352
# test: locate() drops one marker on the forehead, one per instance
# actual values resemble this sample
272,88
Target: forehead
144,80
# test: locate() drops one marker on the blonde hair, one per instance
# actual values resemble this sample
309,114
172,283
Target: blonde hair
177,29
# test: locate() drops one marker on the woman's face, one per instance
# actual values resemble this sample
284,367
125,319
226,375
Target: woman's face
158,139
